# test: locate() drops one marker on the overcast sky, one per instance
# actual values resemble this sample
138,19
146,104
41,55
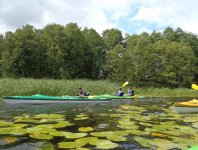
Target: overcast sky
129,16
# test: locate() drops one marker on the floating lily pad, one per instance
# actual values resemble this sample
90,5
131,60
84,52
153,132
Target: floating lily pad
18,125
101,134
59,133
145,124
138,132
41,136
75,135
44,145
19,131
86,140
4,123
7,140
121,133
85,129
70,145
162,143
39,129
26,120
81,118
81,115
49,116
159,134
117,138
104,144
142,141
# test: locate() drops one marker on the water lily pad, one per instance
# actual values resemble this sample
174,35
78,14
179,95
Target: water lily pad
59,133
70,145
26,120
138,132
162,143
101,134
159,134
81,118
41,136
121,133
86,140
104,144
126,126
85,129
18,125
145,124
7,140
39,129
81,115
44,145
49,116
142,141
75,135
114,137
19,131
4,123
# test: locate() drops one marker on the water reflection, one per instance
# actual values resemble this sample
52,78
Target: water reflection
146,123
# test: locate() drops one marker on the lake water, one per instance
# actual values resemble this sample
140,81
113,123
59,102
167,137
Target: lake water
127,124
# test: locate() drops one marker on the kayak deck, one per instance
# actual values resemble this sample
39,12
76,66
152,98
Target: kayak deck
38,98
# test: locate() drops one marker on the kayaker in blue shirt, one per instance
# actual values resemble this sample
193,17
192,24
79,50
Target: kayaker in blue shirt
131,92
119,92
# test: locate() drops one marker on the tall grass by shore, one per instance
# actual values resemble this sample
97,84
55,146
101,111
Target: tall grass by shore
28,86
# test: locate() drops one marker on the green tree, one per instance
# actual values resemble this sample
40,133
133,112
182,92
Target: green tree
94,54
112,37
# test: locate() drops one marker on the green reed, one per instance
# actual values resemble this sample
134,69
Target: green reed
29,86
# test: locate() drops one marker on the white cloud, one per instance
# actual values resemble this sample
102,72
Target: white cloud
144,15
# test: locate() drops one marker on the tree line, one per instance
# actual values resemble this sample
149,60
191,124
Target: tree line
168,58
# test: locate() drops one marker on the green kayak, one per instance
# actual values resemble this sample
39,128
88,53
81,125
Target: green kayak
38,98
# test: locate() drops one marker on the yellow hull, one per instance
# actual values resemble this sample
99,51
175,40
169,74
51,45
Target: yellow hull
192,103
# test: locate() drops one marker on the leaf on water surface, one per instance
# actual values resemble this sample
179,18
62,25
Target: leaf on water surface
142,141
70,144
7,140
49,116
145,124
163,143
4,123
117,138
81,118
85,129
86,140
107,146
101,134
20,131
43,145
18,125
39,129
159,134
138,132
59,133
41,136
69,135
81,115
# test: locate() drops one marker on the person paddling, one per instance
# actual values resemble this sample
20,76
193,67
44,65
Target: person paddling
81,92
120,92
131,92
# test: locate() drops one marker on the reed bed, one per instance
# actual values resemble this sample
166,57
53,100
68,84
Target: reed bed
29,86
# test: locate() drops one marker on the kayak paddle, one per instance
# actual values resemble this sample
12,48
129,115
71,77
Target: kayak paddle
194,86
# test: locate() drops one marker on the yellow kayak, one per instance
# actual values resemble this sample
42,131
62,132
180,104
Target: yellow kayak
187,107
192,103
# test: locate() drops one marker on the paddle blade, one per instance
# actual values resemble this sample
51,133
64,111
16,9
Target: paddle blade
194,86
124,84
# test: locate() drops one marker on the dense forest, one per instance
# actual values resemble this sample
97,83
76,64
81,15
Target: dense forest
168,58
